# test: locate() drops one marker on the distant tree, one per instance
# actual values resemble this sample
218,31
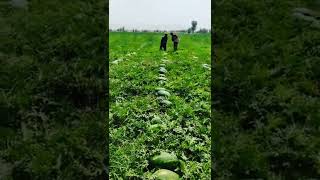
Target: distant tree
193,26
203,30
189,30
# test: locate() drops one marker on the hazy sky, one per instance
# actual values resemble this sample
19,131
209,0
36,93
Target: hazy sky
159,14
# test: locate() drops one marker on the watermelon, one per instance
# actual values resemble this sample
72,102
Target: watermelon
165,102
162,78
165,160
156,127
160,98
162,70
206,66
116,61
156,119
164,174
163,93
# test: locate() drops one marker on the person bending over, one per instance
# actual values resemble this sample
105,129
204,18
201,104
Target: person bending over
175,40
163,44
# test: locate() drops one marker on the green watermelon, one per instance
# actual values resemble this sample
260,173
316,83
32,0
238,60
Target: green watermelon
156,127
165,102
163,93
162,78
164,174
165,160
156,119
162,70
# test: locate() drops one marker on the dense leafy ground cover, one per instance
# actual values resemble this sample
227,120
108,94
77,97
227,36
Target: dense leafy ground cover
139,126
52,96
265,91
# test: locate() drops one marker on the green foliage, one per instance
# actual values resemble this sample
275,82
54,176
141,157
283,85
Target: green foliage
53,90
140,127
265,91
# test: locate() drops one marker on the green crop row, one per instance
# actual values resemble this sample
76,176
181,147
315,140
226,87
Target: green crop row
140,127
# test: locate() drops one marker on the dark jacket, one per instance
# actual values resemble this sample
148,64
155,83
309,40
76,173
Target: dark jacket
164,40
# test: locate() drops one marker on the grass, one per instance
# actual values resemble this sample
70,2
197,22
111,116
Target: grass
184,126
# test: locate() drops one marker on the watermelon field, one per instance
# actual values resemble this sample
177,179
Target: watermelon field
159,116
266,89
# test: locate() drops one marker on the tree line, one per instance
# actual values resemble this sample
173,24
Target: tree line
190,30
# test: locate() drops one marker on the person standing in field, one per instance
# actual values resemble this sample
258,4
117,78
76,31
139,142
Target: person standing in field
175,40
163,44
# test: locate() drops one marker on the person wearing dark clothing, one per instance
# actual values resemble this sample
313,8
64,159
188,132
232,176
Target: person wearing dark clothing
163,44
175,40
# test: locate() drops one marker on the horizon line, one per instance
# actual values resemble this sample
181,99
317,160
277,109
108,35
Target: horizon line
156,29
